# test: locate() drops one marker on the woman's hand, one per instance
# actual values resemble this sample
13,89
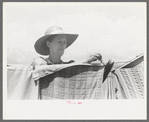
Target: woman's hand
94,57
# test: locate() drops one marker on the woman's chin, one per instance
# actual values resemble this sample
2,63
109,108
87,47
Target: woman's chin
61,53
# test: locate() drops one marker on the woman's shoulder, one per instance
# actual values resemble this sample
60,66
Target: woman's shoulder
39,61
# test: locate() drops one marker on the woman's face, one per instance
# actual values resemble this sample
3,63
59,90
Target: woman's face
58,45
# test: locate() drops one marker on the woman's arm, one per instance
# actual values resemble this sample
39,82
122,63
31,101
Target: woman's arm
94,57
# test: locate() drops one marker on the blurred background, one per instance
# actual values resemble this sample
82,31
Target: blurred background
116,30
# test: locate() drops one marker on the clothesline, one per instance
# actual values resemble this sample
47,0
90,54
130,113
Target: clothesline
74,79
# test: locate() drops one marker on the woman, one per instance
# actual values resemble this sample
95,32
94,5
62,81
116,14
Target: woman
54,43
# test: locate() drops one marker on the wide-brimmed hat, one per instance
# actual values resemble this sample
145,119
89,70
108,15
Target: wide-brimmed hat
51,32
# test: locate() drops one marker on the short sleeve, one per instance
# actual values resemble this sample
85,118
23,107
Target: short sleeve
38,61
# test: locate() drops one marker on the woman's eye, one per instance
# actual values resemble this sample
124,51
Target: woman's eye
62,42
59,41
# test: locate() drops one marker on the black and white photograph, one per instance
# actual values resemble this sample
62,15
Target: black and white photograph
81,57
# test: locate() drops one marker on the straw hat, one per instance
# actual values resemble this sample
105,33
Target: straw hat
51,32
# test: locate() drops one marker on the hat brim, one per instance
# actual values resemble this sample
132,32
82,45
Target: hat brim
41,47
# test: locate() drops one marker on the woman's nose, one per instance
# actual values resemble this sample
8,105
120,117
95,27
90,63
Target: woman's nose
63,43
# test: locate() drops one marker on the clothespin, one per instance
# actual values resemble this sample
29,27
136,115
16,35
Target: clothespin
107,69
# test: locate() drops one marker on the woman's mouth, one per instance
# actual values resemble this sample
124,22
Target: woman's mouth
61,49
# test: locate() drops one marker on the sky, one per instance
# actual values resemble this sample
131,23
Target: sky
115,30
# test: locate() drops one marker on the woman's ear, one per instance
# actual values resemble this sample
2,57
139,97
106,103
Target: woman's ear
48,44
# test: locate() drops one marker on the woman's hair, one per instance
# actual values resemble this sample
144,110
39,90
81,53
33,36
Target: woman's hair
49,39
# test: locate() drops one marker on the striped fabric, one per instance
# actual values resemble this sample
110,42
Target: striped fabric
132,80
